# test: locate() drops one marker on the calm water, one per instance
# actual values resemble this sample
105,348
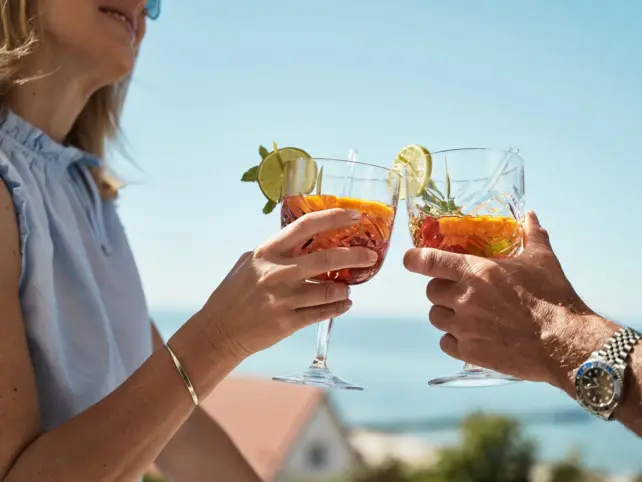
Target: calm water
394,358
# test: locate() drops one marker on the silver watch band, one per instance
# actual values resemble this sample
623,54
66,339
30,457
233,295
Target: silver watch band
620,346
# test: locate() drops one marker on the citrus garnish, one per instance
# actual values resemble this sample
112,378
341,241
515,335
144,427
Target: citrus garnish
417,162
270,173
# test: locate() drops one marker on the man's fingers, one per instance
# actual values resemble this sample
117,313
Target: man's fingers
442,292
441,318
450,346
303,229
535,234
436,263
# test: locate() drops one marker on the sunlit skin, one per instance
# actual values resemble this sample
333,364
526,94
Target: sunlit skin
521,316
83,49
84,46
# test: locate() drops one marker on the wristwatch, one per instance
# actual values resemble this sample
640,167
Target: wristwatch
599,381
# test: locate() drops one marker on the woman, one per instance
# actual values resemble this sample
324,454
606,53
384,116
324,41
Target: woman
85,395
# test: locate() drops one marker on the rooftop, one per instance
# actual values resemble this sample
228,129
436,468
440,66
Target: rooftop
262,417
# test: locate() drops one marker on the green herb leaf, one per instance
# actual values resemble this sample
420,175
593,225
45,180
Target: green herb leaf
447,181
432,192
278,156
269,207
436,204
319,181
251,175
263,152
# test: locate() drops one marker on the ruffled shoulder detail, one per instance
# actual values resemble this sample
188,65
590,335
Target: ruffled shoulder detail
14,182
35,141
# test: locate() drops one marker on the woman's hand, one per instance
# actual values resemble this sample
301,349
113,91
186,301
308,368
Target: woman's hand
266,298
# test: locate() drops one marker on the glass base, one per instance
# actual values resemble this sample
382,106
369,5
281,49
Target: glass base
478,377
318,377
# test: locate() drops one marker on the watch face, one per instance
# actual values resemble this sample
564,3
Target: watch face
598,386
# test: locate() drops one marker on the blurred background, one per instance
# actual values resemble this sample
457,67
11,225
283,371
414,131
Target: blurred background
560,80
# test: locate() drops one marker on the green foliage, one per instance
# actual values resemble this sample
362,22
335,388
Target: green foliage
395,471
153,478
389,471
494,449
569,470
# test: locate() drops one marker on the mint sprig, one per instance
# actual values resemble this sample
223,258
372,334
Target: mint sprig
252,174
269,207
438,204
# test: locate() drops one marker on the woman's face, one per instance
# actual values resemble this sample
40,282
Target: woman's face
97,39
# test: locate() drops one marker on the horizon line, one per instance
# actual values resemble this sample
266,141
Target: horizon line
178,309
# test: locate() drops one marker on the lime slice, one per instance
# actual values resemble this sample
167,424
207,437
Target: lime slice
417,162
272,171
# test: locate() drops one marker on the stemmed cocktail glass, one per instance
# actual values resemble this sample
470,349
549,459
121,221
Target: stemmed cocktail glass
472,203
316,184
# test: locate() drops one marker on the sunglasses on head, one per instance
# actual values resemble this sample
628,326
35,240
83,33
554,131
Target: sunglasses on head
153,8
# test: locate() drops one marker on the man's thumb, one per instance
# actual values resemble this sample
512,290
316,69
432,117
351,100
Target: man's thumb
536,235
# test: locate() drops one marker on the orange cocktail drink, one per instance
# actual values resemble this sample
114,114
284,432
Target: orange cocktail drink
373,232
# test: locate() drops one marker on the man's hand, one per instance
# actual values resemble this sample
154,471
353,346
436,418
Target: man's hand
519,316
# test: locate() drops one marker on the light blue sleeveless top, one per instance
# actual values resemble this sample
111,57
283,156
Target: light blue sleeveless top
84,311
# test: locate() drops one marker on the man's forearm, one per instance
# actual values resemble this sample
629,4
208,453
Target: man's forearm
587,334
202,450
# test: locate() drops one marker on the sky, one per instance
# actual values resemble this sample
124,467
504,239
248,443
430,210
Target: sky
215,79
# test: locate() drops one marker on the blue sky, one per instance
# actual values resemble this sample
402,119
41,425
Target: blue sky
560,80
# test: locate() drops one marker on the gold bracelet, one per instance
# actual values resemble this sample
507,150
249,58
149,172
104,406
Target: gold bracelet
188,382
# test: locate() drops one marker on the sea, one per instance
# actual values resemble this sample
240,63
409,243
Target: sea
393,359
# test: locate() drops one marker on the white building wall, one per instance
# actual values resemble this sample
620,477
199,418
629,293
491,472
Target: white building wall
321,452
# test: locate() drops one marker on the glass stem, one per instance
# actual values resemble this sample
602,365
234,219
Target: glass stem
323,340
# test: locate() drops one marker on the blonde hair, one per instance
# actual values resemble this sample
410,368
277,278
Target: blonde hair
98,122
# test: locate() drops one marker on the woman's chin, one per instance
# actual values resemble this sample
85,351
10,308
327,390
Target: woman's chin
115,65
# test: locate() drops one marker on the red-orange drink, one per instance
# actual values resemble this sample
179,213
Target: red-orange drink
486,236
373,232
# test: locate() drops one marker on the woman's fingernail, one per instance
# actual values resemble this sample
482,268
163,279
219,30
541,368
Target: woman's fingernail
355,214
372,256
534,216
348,293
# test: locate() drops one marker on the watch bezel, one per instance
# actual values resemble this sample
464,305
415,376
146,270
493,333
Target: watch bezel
617,386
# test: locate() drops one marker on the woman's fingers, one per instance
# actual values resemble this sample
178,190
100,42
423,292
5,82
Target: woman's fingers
316,294
307,316
313,264
300,231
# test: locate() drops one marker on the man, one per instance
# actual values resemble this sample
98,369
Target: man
522,317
